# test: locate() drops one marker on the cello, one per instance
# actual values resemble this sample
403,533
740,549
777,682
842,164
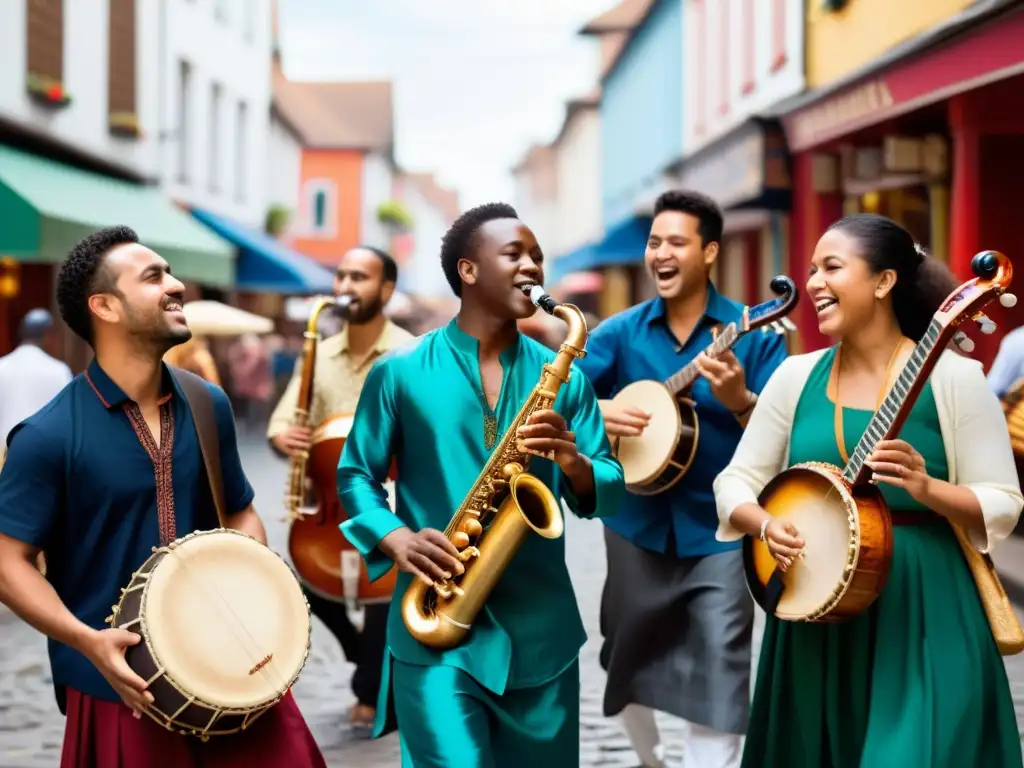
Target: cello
327,564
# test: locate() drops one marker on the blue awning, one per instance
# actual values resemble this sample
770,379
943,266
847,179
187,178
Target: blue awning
624,243
264,264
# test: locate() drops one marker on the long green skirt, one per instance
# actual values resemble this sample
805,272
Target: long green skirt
914,682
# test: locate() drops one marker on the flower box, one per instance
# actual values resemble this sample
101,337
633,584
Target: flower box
124,124
47,91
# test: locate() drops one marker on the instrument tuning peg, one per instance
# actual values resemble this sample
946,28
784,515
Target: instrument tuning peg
777,327
1008,300
788,324
965,342
988,326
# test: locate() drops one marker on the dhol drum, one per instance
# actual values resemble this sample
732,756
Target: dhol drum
225,631
327,563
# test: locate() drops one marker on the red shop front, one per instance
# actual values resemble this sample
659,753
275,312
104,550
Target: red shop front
936,142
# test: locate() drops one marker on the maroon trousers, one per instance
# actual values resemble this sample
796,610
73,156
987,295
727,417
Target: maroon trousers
105,734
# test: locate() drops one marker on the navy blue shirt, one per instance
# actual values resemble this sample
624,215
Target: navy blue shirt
638,344
79,482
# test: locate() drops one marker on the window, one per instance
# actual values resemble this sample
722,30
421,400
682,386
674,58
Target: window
184,118
320,206
320,209
44,30
241,149
213,144
122,117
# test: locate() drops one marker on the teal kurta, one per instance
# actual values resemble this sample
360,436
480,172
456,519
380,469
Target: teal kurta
917,679
424,405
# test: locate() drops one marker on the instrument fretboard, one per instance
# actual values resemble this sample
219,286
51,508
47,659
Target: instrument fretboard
682,379
887,418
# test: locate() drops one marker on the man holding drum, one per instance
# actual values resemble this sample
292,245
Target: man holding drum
106,471
676,615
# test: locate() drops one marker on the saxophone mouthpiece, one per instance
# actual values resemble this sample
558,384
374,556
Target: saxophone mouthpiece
539,297
342,303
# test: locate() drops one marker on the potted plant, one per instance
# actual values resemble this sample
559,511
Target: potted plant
395,216
277,220
46,90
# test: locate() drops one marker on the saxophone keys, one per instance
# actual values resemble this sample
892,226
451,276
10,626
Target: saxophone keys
468,554
461,539
471,527
512,469
442,589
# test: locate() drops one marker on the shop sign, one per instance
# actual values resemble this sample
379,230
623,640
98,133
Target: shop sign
740,168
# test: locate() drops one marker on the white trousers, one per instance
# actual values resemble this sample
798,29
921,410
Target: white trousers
703,747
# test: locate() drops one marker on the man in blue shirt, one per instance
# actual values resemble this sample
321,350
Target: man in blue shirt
676,614
107,470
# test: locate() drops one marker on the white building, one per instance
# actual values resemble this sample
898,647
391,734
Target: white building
578,170
740,58
535,191
62,82
433,209
215,84
182,96
284,169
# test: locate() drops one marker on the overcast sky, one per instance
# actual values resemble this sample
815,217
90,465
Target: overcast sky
475,81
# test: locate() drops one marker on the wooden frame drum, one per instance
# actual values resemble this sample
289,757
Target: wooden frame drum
327,563
658,459
225,631
848,535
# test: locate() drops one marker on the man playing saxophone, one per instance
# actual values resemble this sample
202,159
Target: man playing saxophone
506,694
367,276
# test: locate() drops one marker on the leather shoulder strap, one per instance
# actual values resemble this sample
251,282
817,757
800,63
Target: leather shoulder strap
200,401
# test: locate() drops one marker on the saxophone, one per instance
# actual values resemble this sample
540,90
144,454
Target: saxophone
503,507
295,495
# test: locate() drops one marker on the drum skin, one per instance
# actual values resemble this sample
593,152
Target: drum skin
175,706
659,458
315,542
848,545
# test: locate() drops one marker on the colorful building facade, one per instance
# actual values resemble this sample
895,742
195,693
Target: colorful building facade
930,133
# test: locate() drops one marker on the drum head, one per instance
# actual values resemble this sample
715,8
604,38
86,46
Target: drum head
821,517
644,457
216,607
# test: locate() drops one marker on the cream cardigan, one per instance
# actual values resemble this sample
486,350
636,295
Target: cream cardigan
973,429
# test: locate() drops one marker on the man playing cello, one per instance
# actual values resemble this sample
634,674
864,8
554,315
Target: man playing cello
368,277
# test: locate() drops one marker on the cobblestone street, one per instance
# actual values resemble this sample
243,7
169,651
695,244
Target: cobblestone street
31,727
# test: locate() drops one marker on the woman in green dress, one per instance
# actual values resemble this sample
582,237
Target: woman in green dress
917,680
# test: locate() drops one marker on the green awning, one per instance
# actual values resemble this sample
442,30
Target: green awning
46,207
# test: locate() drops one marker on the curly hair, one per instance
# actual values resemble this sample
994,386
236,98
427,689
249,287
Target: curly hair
706,210
458,240
922,282
83,274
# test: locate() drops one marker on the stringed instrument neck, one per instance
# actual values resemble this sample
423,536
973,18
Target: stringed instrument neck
893,412
683,378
